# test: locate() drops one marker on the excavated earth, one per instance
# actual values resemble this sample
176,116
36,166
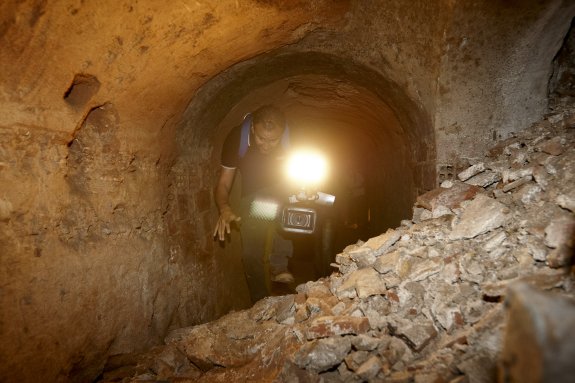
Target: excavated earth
477,287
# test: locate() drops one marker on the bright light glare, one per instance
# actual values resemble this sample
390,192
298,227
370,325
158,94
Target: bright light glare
307,167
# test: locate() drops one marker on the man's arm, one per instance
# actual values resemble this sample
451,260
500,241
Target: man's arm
222,195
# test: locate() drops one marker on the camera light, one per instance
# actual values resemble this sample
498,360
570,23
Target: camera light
307,167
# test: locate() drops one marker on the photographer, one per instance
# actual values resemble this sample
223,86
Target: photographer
257,149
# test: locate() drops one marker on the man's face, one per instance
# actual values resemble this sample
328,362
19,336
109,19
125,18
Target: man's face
266,140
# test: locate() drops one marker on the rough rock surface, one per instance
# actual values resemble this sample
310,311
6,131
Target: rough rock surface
434,311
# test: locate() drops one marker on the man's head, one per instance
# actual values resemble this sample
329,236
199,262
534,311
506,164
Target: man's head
268,124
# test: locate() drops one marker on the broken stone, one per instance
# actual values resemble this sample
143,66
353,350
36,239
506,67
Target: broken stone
471,171
481,216
494,241
369,369
386,263
567,201
382,243
327,326
513,175
416,334
355,359
362,283
286,310
554,146
440,211
560,231
446,184
323,354
561,256
450,198
363,257
318,306
375,309
537,250
517,183
538,343
423,269
484,179
364,342
529,194
370,283
541,177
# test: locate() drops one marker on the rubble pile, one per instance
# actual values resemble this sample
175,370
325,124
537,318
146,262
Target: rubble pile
423,302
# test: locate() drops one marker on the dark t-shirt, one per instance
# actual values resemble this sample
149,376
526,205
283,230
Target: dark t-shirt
261,173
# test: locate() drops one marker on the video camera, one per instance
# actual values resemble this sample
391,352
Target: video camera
297,214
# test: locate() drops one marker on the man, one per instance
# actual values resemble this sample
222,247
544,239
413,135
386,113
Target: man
256,148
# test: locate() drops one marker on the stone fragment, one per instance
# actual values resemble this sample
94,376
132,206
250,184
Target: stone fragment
266,308
440,211
537,250
371,283
471,171
510,175
554,146
538,343
355,359
386,263
323,354
369,369
318,306
420,214
541,177
363,342
484,179
423,269
375,309
560,231
446,184
343,259
450,198
316,289
345,375
529,194
382,243
567,201
417,334
494,241
362,283
286,310
482,215
363,257
327,326
517,183
561,256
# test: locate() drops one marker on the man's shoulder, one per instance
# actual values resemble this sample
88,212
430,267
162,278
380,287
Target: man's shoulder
230,149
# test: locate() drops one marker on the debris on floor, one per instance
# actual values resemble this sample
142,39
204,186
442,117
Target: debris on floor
477,287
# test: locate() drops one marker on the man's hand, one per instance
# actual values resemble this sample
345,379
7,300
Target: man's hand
227,216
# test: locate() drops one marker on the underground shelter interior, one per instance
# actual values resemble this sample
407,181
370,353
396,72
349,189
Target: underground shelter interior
448,129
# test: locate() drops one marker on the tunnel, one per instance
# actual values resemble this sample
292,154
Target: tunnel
113,119
337,108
